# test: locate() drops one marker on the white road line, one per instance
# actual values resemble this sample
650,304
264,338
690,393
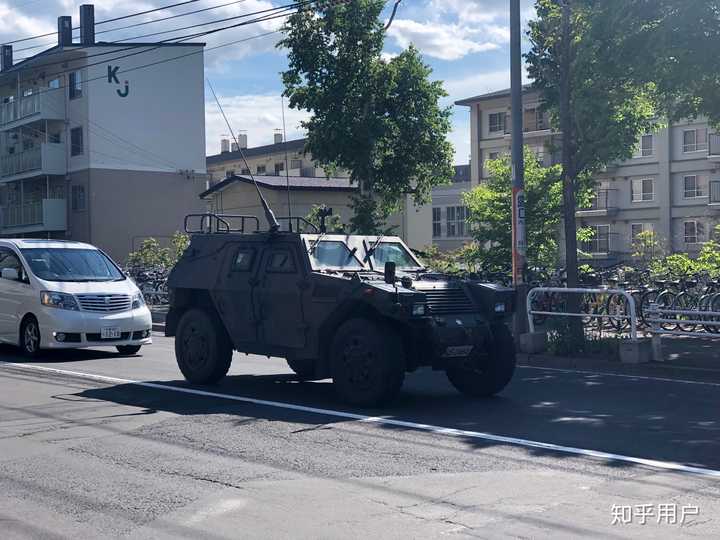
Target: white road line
621,375
451,432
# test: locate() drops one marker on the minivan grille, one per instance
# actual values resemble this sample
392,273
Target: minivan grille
104,303
445,301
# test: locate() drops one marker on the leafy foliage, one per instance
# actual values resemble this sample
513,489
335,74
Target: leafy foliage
333,223
152,255
379,119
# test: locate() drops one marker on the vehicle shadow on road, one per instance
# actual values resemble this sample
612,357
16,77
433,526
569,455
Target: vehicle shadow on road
9,353
587,414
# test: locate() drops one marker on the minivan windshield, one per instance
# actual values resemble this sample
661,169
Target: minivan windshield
63,264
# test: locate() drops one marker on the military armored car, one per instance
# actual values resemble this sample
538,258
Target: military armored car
362,310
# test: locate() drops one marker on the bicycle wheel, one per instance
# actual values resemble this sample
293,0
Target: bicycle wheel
686,302
715,307
637,296
665,300
648,298
617,306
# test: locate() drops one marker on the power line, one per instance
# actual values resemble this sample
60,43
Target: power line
30,38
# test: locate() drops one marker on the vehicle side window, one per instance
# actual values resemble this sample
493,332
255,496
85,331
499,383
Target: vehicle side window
281,261
8,259
243,260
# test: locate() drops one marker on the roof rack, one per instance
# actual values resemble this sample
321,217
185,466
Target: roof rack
210,223
299,224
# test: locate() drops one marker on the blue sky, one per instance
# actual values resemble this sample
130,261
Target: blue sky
466,42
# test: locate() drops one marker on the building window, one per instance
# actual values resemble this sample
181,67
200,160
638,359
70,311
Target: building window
261,169
533,119
75,84
437,222
643,190
695,140
245,171
279,167
646,146
600,241
693,232
497,122
78,198
693,187
296,163
455,219
229,173
638,228
492,156
76,141
54,84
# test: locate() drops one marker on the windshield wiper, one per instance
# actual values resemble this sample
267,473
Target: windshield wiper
315,243
369,253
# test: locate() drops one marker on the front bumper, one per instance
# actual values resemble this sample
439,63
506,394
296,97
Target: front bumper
85,328
443,341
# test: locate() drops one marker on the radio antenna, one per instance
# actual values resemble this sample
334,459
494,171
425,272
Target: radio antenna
272,221
287,168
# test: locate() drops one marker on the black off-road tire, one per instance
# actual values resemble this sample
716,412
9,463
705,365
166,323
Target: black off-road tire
304,368
128,350
30,337
202,347
367,363
496,372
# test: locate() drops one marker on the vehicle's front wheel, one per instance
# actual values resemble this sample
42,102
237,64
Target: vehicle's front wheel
128,350
202,347
367,363
30,337
495,372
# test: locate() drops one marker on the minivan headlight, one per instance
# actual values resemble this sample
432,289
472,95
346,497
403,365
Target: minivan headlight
59,300
138,300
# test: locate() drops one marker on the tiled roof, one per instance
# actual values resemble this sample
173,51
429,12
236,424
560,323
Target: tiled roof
289,146
297,183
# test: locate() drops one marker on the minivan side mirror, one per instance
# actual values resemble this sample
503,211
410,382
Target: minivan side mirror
390,272
11,274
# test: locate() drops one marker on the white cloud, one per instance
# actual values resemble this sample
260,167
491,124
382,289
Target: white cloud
257,115
443,41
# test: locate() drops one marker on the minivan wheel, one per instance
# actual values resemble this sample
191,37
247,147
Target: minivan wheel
128,350
202,347
367,363
30,337
496,371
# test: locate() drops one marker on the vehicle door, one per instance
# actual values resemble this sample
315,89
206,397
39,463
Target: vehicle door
14,296
234,295
282,282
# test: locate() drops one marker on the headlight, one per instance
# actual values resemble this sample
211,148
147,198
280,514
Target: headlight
58,300
138,300
418,310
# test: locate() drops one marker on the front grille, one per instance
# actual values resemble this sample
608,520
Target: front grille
104,303
97,337
447,301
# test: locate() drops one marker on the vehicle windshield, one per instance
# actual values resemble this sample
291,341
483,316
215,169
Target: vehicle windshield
393,252
334,254
61,264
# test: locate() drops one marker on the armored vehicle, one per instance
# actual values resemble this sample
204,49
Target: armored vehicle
362,310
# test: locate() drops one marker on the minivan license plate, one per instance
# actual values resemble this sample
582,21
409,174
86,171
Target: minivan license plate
110,333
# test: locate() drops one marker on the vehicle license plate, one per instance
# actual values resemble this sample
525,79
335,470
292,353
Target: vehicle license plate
110,333
459,350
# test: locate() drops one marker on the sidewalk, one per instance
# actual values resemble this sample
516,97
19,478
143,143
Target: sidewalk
688,358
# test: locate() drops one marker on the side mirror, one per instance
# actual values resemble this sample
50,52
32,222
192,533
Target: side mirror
11,274
390,272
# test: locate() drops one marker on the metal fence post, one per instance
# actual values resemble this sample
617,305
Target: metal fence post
656,329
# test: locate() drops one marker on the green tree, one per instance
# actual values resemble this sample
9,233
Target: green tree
490,214
380,119
599,108
152,255
333,223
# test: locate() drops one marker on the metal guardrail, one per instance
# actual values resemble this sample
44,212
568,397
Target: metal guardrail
658,317
632,316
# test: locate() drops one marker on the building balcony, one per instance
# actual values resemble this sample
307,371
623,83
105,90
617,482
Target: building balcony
603,203
42,216
714,199
48,159
714,147
45,105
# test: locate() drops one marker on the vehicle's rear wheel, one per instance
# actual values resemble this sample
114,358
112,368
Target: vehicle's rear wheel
496,371
367,363
128,350
202,347
304,368
30,337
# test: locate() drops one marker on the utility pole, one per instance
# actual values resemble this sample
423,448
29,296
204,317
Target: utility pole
519,241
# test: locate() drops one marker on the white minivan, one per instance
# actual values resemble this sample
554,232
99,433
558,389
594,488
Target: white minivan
65,295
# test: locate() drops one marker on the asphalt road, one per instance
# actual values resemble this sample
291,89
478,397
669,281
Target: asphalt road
94,445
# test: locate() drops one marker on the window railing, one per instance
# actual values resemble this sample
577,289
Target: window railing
714,144
21,162
20,108
602,244
603,199
715,192
27,214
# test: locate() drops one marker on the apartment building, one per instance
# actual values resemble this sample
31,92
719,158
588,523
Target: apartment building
101,142
231,189
670,186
